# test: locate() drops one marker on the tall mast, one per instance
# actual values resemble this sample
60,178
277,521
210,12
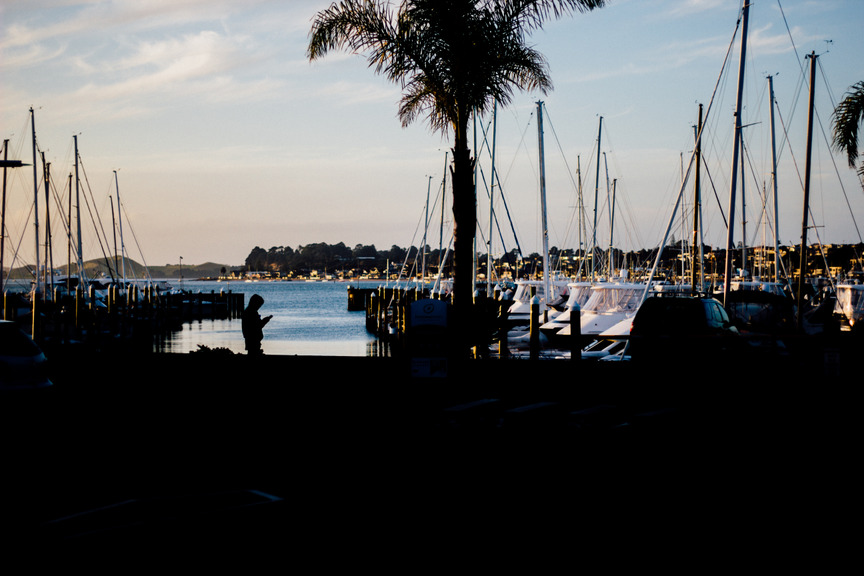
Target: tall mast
804,218
35,198
545,229
491,202
69,239
580,216
774,184
114,230
476,168
120,222
743,211
730,235
3,213
78,215
612,229
49,264
697,204
425,232
608,260
596,189
443,208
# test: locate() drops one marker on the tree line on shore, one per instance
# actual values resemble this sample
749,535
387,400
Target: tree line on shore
338,259
837,260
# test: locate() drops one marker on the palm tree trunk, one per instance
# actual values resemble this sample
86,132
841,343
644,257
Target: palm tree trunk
464,226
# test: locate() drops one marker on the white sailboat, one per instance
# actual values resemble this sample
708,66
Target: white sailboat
610,304
549,289
850,305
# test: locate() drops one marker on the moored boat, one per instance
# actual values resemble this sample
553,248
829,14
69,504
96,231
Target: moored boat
850,305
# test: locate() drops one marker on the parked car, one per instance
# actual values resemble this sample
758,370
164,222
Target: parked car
22,363
682,328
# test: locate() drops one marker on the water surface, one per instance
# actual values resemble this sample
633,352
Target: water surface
309,319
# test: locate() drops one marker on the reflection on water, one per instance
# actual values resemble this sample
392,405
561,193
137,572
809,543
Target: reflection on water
309,319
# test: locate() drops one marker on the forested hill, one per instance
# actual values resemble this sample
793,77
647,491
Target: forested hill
328,257
135,270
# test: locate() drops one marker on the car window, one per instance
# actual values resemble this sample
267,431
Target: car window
716,315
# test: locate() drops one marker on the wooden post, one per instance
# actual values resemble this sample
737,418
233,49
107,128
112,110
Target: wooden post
534,328
379,311
35,310
575,333
79,305
371,307
503,347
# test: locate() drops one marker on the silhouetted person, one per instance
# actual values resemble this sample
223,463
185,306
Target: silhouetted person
253,325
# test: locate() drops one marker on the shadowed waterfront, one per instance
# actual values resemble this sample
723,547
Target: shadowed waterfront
339,439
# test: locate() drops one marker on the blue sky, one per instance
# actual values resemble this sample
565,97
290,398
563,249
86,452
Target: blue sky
224,137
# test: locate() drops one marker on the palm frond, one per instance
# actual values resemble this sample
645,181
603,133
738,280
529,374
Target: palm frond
847,117
533,13
355,26
448,55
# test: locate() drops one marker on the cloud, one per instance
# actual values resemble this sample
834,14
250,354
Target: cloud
173,67
350,93
766,43
690,7
30,55
54,20
212,50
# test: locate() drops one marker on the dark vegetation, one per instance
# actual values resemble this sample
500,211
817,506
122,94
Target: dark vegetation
339,259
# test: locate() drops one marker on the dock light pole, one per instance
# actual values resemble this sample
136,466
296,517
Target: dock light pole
5,163
181,269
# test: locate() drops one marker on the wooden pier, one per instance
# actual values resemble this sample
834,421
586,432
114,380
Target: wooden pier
387,317
119,319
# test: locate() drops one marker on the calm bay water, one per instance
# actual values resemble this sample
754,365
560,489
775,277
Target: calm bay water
309,319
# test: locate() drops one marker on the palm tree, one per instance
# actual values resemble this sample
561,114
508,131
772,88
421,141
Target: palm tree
848,115
453,58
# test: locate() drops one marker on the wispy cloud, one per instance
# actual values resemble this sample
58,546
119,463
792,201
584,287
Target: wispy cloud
146,55
690,7
73,18
766,42
348,93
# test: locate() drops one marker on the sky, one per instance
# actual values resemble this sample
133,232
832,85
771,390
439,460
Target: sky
221,136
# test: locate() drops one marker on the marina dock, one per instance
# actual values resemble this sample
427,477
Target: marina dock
114,320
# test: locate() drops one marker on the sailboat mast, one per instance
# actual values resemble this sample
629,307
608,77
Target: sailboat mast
3,214
612,229
730,234
443,208
743,212
35,198
69,239
697,204
491,202
49,266
580,216
114,230
545,229
596,191
120,222
803,266
78,215
425,232
476,169
774,183
609,255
